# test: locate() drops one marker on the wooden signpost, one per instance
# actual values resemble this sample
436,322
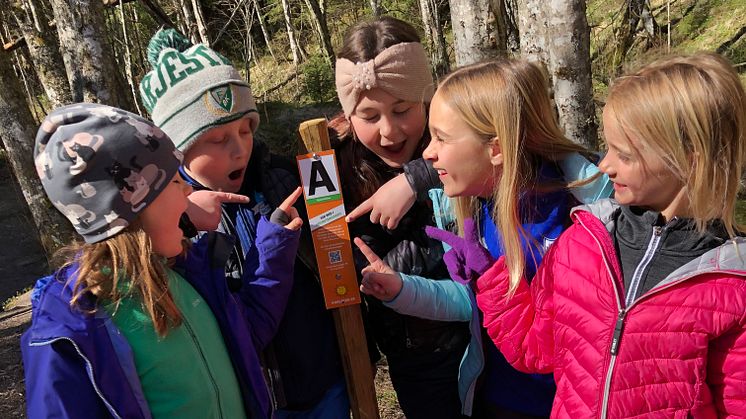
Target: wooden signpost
331,239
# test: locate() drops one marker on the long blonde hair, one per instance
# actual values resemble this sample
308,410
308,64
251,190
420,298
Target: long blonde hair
128,256
507,101
691,112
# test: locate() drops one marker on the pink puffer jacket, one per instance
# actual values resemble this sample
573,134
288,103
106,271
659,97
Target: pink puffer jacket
679,351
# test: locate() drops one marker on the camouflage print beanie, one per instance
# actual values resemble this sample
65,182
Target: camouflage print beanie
101,166
192,89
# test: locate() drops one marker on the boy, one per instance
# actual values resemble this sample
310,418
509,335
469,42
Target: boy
202,103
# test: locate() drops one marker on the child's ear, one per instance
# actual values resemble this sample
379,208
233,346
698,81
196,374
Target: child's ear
496,154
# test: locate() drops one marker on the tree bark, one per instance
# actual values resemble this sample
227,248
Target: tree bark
91,69
319,22
263,27
199,18
571,70
298,54
44,52
128,59
18,130
435,39
189,22
474,29
508,40
532,26
375,7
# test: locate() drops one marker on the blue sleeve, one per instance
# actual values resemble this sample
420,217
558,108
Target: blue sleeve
443,300
269,279
576,167
57,383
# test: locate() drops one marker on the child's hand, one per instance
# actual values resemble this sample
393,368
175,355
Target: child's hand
379,280
204,207
290,217
388,205
467,259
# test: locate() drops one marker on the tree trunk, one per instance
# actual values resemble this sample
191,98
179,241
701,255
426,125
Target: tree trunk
625,32
265,33
375,7
435,39
319,22
44,52
508,40
18,130
532,26
571,70
189,22
199,19
298,54
473,31
128,59
90,67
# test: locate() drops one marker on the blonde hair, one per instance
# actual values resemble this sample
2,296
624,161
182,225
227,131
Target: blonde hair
691,112
507,101
128,256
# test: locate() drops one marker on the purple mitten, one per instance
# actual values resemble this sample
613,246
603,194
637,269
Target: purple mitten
467,259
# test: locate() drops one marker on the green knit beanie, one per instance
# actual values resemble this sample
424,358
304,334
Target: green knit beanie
192,89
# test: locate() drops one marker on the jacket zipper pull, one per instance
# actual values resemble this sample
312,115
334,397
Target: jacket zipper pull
618,332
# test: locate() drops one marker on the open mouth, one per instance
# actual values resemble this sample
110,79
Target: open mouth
235,175
395,148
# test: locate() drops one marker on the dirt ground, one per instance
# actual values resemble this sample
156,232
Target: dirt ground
22,261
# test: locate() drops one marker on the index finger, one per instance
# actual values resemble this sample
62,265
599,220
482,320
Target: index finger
290,200
232,198
361,209
367,251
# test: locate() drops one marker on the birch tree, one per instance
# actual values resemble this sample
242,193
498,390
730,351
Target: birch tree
570,66
91,68
17,131
298,54
199,19
318,18
435,38
44,51
473,31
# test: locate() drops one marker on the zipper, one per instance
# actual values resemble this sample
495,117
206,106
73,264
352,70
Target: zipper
88,367
634,286
204,362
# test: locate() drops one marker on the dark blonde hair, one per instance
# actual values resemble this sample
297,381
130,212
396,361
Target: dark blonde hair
128,256
506,101
690,111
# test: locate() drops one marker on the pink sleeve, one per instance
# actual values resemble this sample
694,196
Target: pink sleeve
726,373
521,325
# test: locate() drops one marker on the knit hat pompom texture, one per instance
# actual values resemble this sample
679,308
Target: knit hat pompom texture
192,88
101,166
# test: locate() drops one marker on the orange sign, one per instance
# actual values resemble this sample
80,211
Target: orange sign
331,238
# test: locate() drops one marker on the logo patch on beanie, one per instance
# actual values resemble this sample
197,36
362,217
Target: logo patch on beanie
220,99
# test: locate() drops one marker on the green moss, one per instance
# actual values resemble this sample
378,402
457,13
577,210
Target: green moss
741,211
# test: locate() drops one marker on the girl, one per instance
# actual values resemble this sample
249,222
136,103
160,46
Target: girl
135,325
639,309
497,116
384,84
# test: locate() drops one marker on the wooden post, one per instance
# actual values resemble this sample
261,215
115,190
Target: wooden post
348,320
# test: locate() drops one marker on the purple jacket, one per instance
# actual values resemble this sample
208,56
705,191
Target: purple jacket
78,365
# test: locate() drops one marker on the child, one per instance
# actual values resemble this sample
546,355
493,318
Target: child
497,117
384,84
200,100
135,324
639,309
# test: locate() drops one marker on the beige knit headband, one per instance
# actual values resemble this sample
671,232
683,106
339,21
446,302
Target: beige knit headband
402,70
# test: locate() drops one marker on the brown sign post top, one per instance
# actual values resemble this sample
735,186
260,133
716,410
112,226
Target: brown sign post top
347,320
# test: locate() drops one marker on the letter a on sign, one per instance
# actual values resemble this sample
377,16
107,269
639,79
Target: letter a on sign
331,239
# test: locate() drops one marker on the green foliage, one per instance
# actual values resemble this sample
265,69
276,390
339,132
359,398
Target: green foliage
318,79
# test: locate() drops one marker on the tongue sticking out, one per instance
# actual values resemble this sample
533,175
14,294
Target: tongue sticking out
235,174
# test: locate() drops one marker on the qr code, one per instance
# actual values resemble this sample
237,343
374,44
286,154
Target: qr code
335,256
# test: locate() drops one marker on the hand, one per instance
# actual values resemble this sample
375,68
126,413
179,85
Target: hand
204,207
467,259
388,205
379,280
287,207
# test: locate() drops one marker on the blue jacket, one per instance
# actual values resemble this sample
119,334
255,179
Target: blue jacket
79,366
448,300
